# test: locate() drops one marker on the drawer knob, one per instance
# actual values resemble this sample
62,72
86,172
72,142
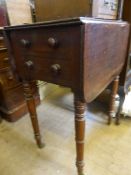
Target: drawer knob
25,43
6,59
53,42
55,69
1,38
10,77
29,64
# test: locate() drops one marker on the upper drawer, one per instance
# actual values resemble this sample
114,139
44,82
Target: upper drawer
4,60
49,43
53,52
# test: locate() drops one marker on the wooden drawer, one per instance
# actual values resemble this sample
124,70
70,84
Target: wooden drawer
4,60
15,97
10,97
7,79
51,56
1,42
1,39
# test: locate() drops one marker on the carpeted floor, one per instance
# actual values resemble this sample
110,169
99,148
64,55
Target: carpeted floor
107,148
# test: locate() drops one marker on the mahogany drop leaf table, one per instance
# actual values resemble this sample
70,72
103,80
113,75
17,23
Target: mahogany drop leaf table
83,54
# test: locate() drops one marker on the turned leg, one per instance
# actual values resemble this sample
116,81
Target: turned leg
80,133
112,100
32,110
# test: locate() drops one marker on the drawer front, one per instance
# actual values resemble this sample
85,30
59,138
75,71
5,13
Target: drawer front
7,79
48,54
4,60
2,42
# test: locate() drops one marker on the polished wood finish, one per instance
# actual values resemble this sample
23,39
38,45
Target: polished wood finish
37,61
88,57
60,9
4,60
32,110
12,102
80,108
112,100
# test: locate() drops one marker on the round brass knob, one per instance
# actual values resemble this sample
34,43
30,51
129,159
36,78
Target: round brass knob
55,69
53,42
25,43
29,64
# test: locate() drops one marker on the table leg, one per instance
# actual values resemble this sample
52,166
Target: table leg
112,100
122,99
80,133
33,114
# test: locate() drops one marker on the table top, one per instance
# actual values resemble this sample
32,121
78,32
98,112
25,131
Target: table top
67,21
83,54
